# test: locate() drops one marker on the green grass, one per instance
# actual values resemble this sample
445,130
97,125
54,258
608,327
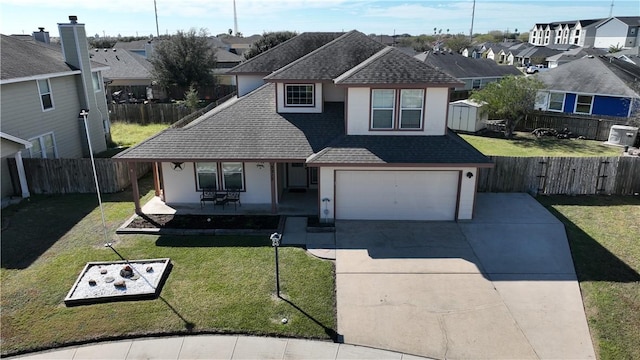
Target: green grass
125,134
217,284
525,144
603,234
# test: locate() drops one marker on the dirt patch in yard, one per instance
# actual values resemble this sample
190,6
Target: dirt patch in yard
252,222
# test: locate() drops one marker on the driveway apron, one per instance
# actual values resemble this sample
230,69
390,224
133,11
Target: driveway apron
501,286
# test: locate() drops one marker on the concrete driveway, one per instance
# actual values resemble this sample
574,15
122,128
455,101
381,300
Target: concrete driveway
502,286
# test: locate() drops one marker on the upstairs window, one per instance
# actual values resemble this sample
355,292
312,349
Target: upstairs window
382,108
556,101
44,88
95,77
408,102
299,95
411,108
583,104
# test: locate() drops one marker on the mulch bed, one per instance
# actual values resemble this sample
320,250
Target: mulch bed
253,222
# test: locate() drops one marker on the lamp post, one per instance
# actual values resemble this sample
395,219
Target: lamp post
275,242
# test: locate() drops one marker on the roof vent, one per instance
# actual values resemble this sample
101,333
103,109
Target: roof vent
114,50
41,29
73,19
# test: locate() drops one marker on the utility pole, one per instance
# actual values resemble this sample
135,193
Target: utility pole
473,14
235,19
611,9
156,10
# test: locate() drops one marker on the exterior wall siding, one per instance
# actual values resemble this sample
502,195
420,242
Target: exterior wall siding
248,83
180,186
332,93
434,114
22,114
611,106
614,32
280,100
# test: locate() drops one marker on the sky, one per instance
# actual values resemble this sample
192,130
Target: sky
137,17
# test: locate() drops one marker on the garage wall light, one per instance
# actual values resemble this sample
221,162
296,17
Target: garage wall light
469,174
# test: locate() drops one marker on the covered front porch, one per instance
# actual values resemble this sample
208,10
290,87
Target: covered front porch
292,203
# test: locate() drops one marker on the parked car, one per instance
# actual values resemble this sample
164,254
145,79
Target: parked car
532,69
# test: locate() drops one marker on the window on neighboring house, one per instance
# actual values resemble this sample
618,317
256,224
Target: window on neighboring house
575,41
44,87
43,146
313,175
299,95
578,32
556,101
95,77
207,175
232,177
476,83
411,108
382,108
583,104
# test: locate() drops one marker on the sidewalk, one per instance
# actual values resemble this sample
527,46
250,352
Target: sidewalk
216,347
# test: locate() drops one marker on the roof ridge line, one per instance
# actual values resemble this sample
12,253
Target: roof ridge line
309,54
262,53
358,67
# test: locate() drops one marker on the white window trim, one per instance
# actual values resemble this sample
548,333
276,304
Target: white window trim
224,184
43,151
393,111
564,98
313,96
575,105
196,172
40,94
99,75
414,109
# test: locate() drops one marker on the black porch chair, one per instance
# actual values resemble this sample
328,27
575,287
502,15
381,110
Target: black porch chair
233,196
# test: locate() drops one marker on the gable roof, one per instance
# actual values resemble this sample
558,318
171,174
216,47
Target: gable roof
392,66
593,75
462,67
23,59
224,135
131,45
123,64
284,53
627,20
331,60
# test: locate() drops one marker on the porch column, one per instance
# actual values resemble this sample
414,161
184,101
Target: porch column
133,177
22,175
156,178
274,189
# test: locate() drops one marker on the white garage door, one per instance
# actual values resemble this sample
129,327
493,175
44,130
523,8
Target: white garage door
396,195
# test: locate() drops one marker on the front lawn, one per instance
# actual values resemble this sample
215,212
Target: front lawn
604,234
526,144
217,284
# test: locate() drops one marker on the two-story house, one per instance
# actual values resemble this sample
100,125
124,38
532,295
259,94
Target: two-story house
359,123
43,91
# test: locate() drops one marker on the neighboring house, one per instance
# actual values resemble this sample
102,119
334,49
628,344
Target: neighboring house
43,91
142,48
239,45
475,73
571,55
226,60
621,31
599,33
128,73
591,86
361,124
534,55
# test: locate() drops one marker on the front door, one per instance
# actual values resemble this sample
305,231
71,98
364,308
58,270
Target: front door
296,175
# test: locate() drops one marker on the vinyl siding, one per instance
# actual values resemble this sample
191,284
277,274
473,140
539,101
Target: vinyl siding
22,114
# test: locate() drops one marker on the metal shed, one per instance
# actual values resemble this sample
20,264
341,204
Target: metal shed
466,115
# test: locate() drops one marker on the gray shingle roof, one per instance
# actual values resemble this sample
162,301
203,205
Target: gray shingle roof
331,60
285,53
246,130
399,149
24,59
392,66
123,64
592,75
465,67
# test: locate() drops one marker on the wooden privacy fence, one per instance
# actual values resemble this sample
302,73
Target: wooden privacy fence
147,113
64,176
590,127
562,175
